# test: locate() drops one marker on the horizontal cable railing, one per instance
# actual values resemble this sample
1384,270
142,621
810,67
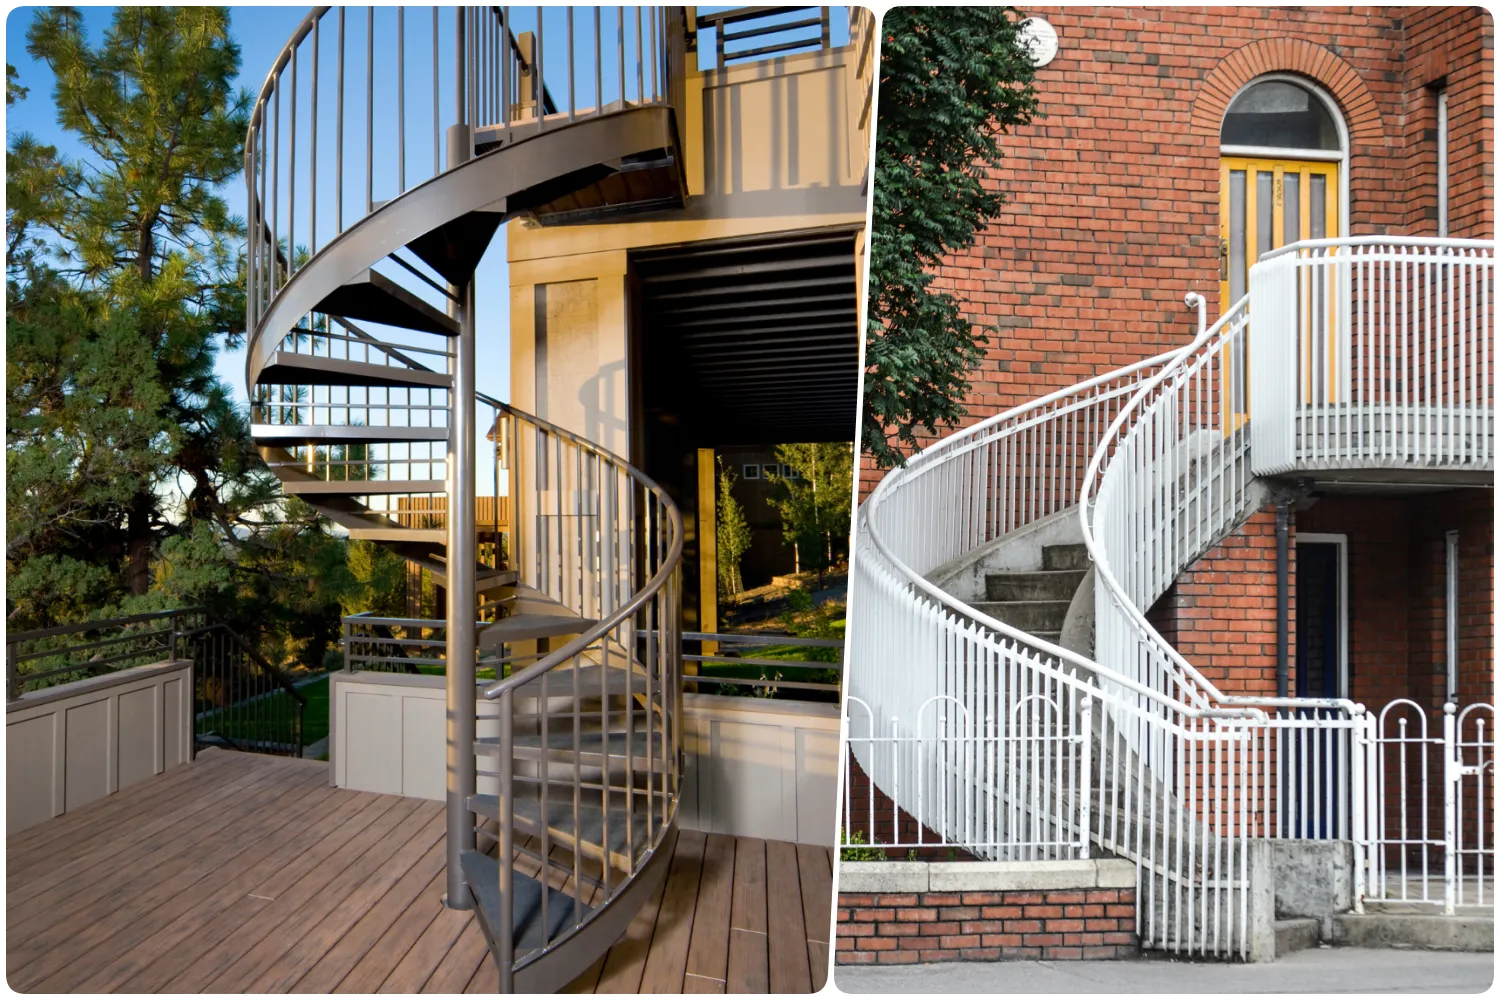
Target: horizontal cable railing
1373,352
747,663
241,700
748,34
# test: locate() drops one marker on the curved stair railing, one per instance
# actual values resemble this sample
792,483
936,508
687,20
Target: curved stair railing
587,751
985,736
384,152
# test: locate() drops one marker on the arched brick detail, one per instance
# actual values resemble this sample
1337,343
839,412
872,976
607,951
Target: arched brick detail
1288,55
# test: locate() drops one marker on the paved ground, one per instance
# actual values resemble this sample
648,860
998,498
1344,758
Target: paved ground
1319,970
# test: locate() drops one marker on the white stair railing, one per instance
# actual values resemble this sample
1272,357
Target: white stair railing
1373,353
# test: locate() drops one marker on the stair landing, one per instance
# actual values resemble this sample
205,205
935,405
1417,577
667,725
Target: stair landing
241,872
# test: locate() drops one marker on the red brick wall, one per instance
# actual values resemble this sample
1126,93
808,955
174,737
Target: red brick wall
890,826
1453,46
903,928
1114,194
1221,612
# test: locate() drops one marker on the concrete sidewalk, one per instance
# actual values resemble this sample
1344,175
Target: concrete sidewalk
1318,970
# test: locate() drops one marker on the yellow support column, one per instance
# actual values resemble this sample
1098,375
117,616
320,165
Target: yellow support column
708,559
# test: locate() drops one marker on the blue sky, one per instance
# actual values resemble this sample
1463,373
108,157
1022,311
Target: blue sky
262,31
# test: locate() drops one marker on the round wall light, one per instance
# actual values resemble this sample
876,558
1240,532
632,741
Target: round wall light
1040,39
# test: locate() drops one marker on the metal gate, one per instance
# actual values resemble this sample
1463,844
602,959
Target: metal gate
1428,835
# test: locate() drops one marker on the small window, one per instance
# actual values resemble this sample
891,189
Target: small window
1279,114
751,472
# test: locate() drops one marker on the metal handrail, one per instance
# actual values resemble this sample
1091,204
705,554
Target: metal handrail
175,640
1439,243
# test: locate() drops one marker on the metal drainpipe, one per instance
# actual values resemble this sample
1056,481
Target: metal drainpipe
1283,541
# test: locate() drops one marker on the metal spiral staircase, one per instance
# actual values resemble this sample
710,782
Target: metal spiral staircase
1364,358
564,770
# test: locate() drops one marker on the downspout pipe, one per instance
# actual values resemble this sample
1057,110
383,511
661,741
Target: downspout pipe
1283,596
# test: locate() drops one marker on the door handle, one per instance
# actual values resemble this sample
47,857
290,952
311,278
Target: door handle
1223,260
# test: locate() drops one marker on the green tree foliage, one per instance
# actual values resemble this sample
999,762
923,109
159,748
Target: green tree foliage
732,535
815,501
952,81
132,480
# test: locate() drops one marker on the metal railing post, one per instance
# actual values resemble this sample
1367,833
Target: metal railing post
1450,805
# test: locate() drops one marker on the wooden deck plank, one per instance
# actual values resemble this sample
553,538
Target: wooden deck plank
200,922
748,969
666,960
786,928
24,887
76,825
284,905
427,953
73,949
817,908
251,873
101,880
281,954
626,961
458,966
708,955
347,949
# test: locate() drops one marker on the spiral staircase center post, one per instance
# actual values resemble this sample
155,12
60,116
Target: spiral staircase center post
462,560
462,604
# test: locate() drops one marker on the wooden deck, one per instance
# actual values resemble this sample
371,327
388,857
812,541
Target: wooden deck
248,873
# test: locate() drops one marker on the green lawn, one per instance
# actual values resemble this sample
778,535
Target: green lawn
260,720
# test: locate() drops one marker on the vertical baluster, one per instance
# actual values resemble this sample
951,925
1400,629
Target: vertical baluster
312,239
369,110
401,100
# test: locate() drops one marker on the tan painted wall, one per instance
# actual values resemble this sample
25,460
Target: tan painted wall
774,146
68,745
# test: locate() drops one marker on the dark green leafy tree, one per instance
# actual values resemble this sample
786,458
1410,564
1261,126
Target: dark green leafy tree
731,535
953,80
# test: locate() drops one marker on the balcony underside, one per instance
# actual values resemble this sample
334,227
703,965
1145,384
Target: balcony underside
242,872
1389,446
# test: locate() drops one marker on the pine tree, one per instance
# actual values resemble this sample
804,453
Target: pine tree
132,480
952,80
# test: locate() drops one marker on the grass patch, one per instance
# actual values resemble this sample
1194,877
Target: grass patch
262,719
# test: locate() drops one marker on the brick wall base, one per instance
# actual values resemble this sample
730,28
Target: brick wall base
1055,924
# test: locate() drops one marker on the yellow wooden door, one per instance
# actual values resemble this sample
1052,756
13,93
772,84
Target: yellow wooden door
1265,204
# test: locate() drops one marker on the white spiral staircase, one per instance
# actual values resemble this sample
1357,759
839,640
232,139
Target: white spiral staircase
562,800
1364,357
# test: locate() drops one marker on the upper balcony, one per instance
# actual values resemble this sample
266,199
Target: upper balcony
1369,362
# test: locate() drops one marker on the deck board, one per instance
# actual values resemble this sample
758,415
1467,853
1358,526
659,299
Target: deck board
247,873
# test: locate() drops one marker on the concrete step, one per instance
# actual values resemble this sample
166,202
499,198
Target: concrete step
1296,934
1065,557
1039,585
1427,931
1031,616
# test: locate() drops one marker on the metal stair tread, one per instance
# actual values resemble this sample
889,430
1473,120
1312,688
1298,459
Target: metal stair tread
522,627
302,483
297,434
291,368
616,680
375,298
628,829
482,875
595,749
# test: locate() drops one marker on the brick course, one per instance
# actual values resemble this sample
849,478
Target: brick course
1055,925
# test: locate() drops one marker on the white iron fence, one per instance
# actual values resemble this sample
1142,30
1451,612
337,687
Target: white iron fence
1431,788
1373,352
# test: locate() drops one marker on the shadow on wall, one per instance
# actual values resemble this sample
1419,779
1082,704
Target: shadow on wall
779,127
